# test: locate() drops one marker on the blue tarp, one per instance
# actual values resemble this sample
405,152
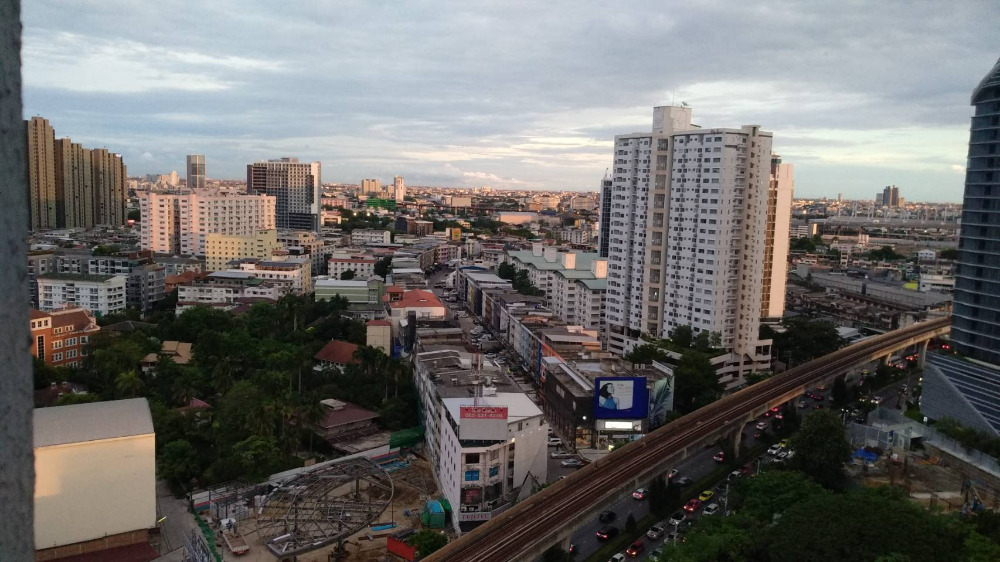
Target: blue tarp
865,455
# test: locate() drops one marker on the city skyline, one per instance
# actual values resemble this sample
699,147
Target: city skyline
495,100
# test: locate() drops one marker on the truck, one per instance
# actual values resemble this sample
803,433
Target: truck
235,543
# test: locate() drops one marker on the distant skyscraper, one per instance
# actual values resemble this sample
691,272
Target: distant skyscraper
890,196
295,185
41,174
779,219
371,187
687,233
965,390
196,171
71,186
398,188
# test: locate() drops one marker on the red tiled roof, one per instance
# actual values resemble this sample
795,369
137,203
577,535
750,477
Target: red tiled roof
379,323
350,413
393,289
337,351
36,314
79,318
416,298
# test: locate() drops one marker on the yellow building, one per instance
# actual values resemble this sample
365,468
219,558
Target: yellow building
95,478
220,249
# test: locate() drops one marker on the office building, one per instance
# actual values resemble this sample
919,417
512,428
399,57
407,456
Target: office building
70,186
778,237
295,187
687,232
100,294
399,189
220,249
179,222
890,197
969,391
59,338
196,171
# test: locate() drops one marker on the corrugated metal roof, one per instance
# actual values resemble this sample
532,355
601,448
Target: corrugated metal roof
61,425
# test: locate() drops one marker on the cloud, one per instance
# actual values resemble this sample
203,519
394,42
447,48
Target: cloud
528,90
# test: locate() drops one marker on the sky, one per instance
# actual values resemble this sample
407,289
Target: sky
520,95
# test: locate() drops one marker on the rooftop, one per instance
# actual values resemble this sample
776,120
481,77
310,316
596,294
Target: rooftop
519,406
342,413
80,277
338,352
80,423
417,298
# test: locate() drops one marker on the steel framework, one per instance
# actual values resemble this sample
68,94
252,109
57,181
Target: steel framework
323,506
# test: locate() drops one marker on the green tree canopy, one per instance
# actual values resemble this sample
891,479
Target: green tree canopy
804,339
821,448
696,383
347,275
178,463
427,542
382,266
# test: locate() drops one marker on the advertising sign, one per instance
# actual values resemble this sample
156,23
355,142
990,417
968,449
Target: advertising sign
620,398
483,423
456,234
662,401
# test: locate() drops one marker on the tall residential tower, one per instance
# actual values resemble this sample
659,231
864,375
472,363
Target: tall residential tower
295,186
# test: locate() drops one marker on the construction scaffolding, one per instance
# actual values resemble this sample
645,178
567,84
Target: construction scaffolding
323,506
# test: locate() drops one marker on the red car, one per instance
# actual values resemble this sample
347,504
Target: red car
692,505
635,548
775,409
719,457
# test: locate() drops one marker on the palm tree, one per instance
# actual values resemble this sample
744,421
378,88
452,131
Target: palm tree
128,383
310,411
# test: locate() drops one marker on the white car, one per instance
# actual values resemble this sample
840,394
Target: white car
571,463
555,442
561,455
774,449
710,509
761,426
782,455
617,558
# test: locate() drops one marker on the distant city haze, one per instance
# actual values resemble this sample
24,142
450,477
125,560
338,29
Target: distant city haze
520,97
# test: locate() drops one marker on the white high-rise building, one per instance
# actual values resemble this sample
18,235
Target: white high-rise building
779,220
399,188
686,232
295,186
178,222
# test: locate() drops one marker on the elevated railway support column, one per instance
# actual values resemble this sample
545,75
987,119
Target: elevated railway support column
922,353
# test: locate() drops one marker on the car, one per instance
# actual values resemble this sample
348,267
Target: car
706,495
761,426
657,553
757,434
619,557
640,494
782,455
571,463
607,516
876,399
783,443
555,442
815,396
656,532
673,472
561,455
767,414
775,409
779,417
692,505
821,388
607,533
734,475
677,518
710,509
802,404
774,449
572,548
684,481
635,548
719,457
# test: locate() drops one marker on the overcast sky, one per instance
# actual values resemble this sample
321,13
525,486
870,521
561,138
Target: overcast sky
509,94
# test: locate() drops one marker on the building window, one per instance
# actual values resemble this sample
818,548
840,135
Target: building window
57,356
57,344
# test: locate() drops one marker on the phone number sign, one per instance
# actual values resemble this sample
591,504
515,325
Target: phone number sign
483,413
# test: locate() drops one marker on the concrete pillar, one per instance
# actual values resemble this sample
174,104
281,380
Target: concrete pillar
737,439
922,353
564,544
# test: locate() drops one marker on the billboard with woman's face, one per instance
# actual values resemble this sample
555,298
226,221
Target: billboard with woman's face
620,398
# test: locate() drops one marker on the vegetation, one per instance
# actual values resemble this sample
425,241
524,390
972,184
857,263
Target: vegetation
969,437
885,253
807,245
135,215
427,542
347,274
256,372
821,449
948,254
803,340
349,220
519,280
381,267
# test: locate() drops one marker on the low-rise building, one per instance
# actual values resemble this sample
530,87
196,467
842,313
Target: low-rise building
336,353
363,265
297,270
418,303
365,236
95,481
60,337
100,294
485,452
227,289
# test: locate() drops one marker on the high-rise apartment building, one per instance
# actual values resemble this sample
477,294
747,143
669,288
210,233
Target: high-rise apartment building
687,232
295,187
969,391
890,196
371,187
41,174
778,235
196,171
178,222
399,189
71,186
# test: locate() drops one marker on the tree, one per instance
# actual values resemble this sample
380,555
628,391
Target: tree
258,457
806,245
70,399
630,524
948,254
347,275
556,554
506,271
695,381
703,341
427,542
772,492
839,392
804,339
682,336
885,253
178,464
128,384
135,215
644,354
821,449
382,266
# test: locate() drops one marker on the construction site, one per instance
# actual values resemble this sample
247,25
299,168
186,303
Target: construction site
338,510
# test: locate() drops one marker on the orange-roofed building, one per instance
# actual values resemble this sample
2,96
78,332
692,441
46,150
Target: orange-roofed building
336,353
59,337
423,303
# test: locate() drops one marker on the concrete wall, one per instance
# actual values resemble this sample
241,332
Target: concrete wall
85,491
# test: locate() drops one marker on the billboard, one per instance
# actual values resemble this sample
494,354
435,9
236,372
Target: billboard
487,423
620,398
456,234
662,401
